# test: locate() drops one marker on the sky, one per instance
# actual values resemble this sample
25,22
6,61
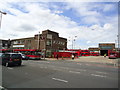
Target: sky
85,23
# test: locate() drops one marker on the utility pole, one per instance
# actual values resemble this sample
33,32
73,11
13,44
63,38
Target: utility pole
1,17
73,41
38,40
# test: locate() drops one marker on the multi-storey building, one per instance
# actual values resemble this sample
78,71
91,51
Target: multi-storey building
4,44
48,41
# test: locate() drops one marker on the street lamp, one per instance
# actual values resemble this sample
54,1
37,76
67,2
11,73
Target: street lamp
1,17
38,40
118,42
73,41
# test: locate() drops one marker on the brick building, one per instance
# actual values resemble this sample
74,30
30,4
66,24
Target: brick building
4,44
48,41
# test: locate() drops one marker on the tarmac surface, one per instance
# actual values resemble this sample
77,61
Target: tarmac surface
66,73
92,59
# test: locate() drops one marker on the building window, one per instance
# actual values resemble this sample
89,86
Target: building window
15,42
48,42
54,41
63,43
22,41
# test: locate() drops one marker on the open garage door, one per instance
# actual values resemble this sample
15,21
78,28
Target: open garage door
102,52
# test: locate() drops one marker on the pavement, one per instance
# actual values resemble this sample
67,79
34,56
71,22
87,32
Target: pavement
92,59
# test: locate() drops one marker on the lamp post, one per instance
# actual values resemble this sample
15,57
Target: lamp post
1,17
38,40
118,42
73,41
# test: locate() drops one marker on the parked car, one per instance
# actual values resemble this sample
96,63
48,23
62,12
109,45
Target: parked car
9,59
112,56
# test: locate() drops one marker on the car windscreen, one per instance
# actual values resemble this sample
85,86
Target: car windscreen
16,56
5,55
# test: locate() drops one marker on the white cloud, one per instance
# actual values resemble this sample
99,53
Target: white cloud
40,17
107,26
108,7
89,42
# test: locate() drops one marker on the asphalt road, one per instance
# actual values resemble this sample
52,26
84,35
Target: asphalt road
59,74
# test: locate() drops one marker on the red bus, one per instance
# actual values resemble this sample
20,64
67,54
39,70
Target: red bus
113,54
85,53
31,53
5,50
94,53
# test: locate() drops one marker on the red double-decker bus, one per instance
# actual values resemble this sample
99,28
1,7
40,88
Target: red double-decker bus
85,53
113,54
30,53
94,53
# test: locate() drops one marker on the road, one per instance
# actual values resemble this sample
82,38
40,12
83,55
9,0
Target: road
59,74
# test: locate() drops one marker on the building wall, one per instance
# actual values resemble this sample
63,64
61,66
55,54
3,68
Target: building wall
4,44
94,49
106,46
48,41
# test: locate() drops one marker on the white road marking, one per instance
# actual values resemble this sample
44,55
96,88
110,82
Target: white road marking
74,72
1,87
88,64
10,68
60,80
101,72
98,75
57,69
79,63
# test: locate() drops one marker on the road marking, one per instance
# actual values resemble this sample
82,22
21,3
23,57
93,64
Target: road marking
98,75
101,72
1,87
88,64
60,80
10,68
57,69
79,63
74,72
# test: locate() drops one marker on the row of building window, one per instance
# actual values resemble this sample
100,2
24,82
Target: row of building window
58,42
21,41
48,42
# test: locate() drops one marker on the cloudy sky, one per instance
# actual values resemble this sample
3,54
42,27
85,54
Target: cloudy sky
92,22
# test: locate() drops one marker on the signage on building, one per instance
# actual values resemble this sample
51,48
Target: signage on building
106,47
18,45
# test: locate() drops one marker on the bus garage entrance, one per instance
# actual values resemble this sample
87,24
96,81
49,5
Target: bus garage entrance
104,47
102,52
